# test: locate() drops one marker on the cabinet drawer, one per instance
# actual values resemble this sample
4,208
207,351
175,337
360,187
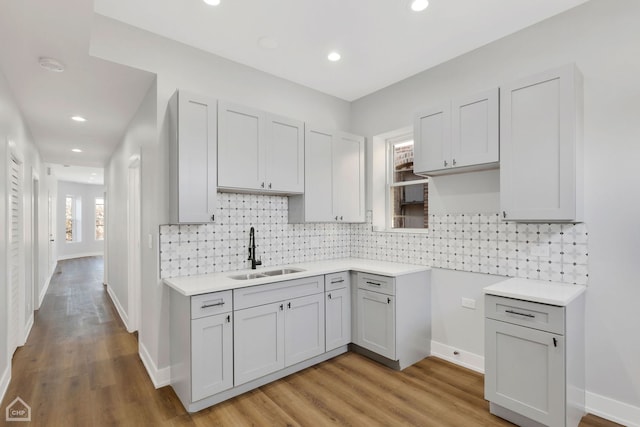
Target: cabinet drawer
212,303
373,282
273,292
337,280
530,314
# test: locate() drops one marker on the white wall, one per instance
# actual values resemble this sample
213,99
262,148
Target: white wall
180,66
601,37
88,245
13,130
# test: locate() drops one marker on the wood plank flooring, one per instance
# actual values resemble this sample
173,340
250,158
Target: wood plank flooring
80,367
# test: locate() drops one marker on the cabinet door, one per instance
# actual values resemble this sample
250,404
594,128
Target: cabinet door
338,318
318,176
475,129
348,178
212,355
377,323
239,147
540,146
258,342
284,154
524,371
193,159
304,328
432,139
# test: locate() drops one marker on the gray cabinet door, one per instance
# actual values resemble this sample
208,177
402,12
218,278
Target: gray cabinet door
377,323
338,318
525,372
212,352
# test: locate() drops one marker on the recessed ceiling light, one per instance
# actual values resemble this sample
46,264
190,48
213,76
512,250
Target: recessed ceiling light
51,64
419,5
93,174
78,119
333,56
212,2
76,150
268,42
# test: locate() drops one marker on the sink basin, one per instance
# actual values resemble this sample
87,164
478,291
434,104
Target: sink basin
280,272
247,276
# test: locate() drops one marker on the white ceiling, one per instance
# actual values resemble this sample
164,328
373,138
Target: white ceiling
381,41
80,174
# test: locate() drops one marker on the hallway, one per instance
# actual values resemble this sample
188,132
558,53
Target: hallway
80,367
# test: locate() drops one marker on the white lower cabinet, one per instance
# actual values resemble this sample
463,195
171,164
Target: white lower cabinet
377,320
337,305
258,341
201,330
273,336
534,368
393,317
212,345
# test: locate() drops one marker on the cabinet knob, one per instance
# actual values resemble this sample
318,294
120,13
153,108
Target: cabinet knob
329,295
213,217
388,300
336,217
504,214
340,218
228,318
269,185
446,164
454,162
262,185
289,305
281,307
555,341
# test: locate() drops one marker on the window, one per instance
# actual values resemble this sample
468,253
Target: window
69,209
407,202
72,219
99,218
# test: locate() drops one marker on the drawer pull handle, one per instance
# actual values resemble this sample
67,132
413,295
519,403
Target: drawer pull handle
217,304
520,314
374,284
337,281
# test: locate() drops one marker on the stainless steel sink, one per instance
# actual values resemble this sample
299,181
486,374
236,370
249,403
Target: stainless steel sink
247,276
271,273
282,271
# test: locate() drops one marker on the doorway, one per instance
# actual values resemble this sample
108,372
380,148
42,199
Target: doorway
32,300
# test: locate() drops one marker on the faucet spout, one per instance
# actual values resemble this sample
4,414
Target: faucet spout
252,249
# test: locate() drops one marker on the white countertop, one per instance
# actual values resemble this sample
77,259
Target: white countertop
553,293
205,283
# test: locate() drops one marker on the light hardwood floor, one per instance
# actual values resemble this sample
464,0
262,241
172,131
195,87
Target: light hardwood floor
80,367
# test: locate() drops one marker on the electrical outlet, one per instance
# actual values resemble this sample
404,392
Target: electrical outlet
469,303
540,250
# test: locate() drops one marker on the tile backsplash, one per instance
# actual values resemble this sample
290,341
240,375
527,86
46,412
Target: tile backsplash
468,242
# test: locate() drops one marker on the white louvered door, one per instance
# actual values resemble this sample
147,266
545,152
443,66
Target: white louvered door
15,233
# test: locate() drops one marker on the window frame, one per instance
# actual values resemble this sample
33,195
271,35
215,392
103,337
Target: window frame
390,184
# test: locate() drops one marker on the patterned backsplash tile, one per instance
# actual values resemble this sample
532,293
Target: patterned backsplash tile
468,242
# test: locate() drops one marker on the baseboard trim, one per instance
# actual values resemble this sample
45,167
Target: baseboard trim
4,381
118,306
44,290
465,359
80,255
159,377
612,410
28,328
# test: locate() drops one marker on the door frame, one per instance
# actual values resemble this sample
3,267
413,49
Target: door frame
134,269
35,242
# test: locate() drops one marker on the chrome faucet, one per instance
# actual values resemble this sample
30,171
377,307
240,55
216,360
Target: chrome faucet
252,249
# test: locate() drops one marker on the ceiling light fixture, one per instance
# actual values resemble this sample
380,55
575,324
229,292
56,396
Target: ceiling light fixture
419,5
78,119
76,150
212,2
51,64
334,56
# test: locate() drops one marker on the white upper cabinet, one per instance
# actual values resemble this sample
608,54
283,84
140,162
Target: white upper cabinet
259,151
541,147
334,178
459,136
192,158
348,177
